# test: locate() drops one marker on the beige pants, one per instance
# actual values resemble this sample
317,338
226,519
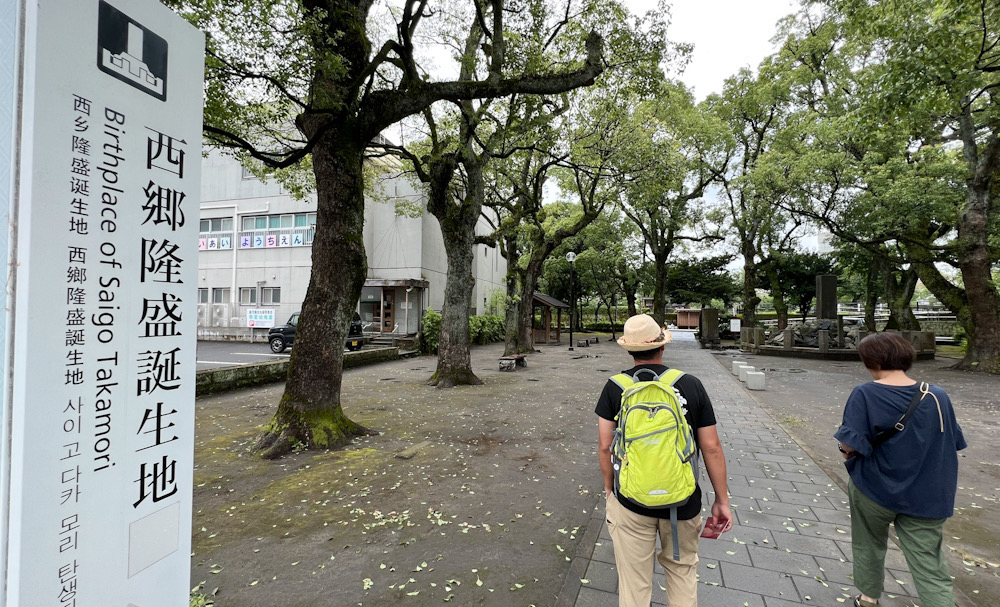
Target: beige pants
634,538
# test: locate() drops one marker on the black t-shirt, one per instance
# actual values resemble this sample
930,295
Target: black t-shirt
698,411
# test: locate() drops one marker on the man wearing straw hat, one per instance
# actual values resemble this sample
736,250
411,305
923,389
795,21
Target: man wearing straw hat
634,529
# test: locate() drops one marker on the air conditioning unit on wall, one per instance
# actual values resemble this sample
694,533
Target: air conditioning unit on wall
220,315
202,315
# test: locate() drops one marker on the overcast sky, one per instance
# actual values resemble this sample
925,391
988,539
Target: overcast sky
727,35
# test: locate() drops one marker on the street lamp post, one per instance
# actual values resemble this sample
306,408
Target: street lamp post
571,257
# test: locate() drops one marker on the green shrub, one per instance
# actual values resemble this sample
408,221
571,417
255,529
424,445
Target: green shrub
486,329
430,333
959,336
482,330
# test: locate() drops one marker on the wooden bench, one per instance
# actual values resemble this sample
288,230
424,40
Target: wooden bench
594,340
510,363
583,343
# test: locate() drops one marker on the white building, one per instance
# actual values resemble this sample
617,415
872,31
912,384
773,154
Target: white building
255,254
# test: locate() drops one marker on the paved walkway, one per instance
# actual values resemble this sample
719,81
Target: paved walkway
790,543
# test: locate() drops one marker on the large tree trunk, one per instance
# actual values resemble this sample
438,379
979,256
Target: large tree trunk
458,227
659,288
454,362
310,413
750,299
514,342
630,301
871,298
983,332
526,307
898,295
778,298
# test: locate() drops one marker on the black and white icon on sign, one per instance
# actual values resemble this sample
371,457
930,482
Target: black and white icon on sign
130,52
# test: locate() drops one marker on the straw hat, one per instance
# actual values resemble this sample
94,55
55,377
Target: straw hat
642,333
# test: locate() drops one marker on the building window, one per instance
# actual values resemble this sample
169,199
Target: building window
248,296
222,224
202,295
295,230
270,295
309,221
255,222
220,296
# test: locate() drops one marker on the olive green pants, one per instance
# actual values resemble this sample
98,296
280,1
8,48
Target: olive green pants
920,539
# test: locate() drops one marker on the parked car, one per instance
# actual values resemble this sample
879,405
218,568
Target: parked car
283,336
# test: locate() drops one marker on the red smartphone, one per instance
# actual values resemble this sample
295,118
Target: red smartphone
714,528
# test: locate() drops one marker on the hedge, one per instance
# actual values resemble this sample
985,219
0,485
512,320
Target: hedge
482,330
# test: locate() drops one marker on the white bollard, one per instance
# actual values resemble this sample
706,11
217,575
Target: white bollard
744,370
736,366
755,380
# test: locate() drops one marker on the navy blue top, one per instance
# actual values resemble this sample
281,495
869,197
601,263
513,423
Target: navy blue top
916,471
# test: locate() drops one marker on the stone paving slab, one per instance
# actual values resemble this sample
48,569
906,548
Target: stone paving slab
790,544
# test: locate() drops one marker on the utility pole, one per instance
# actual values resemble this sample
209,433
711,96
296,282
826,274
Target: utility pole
571,257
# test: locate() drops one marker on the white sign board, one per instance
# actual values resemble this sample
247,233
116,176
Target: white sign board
260,318
102,409
734,325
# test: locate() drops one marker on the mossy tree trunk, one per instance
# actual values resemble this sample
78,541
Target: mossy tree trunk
871,297
310,413
778,297
458,227
898,295
513,338
976,241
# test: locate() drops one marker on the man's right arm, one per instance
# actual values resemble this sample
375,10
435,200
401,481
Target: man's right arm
605,435
715,464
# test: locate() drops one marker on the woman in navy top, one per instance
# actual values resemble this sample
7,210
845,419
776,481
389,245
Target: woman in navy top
909,480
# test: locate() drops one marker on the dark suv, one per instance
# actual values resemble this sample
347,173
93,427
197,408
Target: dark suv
283,336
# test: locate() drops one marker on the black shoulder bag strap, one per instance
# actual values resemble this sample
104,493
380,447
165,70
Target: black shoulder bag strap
923,390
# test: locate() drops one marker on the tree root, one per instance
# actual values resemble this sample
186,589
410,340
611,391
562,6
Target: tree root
294,430
463,377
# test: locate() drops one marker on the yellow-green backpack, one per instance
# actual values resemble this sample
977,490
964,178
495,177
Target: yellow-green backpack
653,450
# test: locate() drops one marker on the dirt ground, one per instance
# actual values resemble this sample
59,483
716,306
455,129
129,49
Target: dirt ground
492,506
806,397
489,510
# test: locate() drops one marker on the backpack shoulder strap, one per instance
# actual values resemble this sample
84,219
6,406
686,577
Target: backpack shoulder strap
623,381
670,376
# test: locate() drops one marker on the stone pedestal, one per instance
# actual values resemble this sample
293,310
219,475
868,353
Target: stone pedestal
758,337
824,340
736,366
755,380
744,370
841,338
788,339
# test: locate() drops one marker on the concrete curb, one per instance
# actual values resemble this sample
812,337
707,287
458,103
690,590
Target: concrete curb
581,560
214,381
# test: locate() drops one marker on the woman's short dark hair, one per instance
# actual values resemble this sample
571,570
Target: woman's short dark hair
887,351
